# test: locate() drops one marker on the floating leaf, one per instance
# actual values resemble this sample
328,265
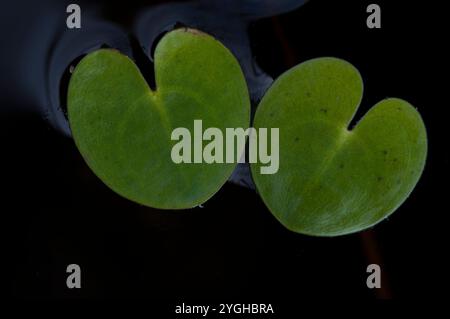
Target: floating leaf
123,128
332,180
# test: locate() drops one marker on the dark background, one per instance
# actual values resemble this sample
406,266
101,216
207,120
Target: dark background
57,212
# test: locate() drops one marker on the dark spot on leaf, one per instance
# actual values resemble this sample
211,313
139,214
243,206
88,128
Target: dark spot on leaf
308,94
297,139
379,178
385,152
323,110
341,165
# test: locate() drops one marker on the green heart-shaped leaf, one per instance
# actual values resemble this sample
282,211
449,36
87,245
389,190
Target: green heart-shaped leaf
332,180
123,128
